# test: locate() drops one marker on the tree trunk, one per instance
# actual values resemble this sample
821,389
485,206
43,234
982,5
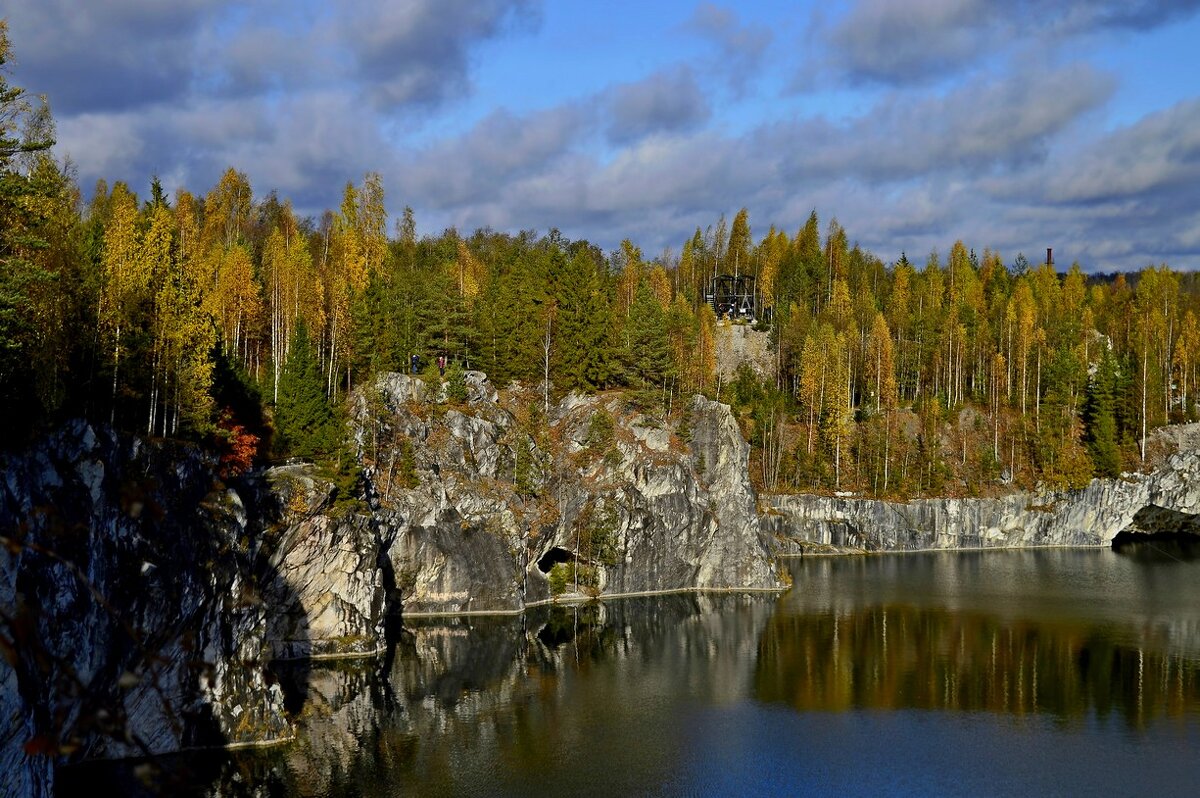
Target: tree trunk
112,417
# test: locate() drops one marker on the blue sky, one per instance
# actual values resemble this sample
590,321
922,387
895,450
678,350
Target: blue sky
1012,125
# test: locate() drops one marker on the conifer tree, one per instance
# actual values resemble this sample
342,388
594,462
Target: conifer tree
586,358
649,347
28,309
1100,418
737,255
304,420
125,282
507,321
880,369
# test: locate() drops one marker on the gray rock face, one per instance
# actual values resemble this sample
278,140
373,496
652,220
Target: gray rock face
326,589
491,498
144,626
1089,517
153,596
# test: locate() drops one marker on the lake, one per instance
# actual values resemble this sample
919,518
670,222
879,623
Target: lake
1030,672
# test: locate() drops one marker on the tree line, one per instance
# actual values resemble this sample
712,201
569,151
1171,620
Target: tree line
228,317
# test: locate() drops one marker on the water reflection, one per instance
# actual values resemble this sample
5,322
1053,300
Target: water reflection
623,694
1009,652
907,657
1173,550
535,704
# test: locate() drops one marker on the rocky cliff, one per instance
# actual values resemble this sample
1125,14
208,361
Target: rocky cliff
492,505
142,599
1167,499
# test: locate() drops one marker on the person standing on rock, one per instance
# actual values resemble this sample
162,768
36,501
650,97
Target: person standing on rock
441,361
415,362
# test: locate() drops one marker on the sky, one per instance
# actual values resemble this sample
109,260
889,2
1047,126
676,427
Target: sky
1014,125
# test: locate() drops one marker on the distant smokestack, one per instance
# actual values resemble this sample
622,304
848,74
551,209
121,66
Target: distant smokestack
1050,255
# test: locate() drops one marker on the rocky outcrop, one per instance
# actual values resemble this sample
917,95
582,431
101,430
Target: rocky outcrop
142,599
326,586
129,589
493,498
151,596
1093,516
740,344
1155,523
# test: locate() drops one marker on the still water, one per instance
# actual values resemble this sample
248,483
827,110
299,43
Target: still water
981,673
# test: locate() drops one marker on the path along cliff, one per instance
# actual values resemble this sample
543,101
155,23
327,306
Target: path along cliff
144,598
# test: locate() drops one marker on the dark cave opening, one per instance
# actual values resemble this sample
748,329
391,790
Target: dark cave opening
553,557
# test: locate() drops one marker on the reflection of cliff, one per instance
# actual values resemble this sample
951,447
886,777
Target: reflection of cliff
347,708
897,656
544,703
463,670
507,694
484,705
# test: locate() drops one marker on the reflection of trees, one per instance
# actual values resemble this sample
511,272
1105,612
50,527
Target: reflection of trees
909,657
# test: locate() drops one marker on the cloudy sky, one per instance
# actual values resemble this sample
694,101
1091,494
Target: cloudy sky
1014,125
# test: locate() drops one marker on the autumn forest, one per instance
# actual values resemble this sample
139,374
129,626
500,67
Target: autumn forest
224,318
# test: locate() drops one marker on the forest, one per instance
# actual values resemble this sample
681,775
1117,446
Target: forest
225,318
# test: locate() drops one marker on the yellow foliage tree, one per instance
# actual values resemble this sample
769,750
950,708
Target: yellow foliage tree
227,210
125,280
470,272
660,285
632,273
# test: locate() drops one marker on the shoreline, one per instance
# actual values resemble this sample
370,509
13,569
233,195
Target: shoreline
866,553
577,599
573,600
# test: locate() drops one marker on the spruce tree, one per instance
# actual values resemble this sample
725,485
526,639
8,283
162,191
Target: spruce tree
23,277
509,320
304,421
376,346
1100,418
586,358
649,352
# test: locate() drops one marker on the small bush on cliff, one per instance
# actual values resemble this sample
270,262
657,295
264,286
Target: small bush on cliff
684,430
238,446
524,468
600,432
346,475
598,533
456,383
560,577
406,465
